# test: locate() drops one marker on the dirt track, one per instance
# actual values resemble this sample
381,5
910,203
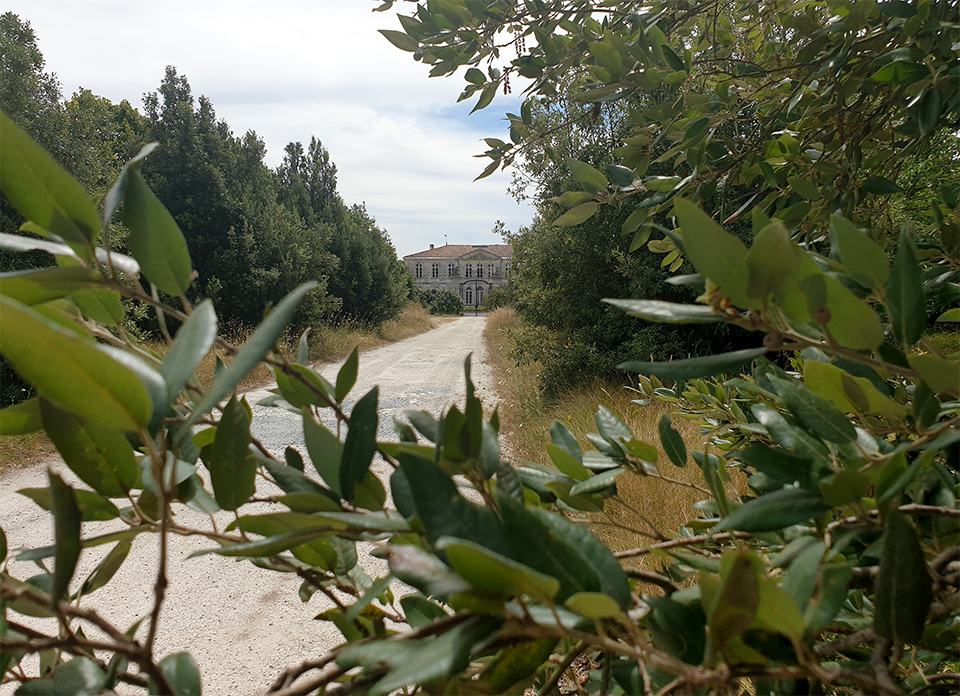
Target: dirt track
242,624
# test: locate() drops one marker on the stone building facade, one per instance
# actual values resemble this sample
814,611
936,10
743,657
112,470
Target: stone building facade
471,271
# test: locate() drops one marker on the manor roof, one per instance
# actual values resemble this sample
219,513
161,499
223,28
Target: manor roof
455,251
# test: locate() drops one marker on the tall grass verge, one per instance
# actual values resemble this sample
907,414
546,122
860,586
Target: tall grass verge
644,506
327,343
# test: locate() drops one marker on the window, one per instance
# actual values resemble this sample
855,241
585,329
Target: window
506,268
469,273
418,271
435,270
479,270
479,296
451,269
490,270
469,295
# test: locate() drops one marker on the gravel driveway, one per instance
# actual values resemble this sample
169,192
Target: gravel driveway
242,624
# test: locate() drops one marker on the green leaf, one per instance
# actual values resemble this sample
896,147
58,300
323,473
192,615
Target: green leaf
901,72
676,629
420,611
515,663
620,176
91,505
66,534
880,186
155,240
804,188
577,215
70,371
770,260
325,450
35,287
424,571
79,676
734,606
571,198
778,464
181,673
292,480
672,441
845,487
400,40
233,468
347,376
597,482
862,257
100,456
590,178
662,184
818,415
904,589
897,8
3,545
801,577
633,222
775,511
193,342
304,387
942,376
853,323
593,605
905,300
777,612
950,315
107,568
833,384
564,439
692,368
567,463
22,418
444,512
253,350
715,253
432,659
361,443
667,312
789,436
494,574
832,594
567,551
43,192
100,305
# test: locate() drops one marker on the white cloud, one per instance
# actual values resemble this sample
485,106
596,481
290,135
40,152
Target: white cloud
296,68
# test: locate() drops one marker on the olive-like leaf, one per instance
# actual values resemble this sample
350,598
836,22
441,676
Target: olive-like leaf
193,342
44,192
905,298
182,675
775,511
672,442
155,240
347,376
904,589
66,534
360,444
691,368
667,312
70,371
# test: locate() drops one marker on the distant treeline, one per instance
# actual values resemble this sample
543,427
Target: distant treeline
254,233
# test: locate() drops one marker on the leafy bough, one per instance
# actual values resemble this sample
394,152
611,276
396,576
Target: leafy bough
839,568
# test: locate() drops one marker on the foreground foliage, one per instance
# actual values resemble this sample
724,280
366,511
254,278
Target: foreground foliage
838,572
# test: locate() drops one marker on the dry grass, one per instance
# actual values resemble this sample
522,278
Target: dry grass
525,426
327,343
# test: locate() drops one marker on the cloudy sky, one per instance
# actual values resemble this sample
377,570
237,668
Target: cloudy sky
290,69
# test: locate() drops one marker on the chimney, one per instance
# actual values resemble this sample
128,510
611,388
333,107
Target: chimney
431,247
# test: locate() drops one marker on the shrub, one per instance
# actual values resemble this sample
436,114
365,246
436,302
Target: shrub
441,301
